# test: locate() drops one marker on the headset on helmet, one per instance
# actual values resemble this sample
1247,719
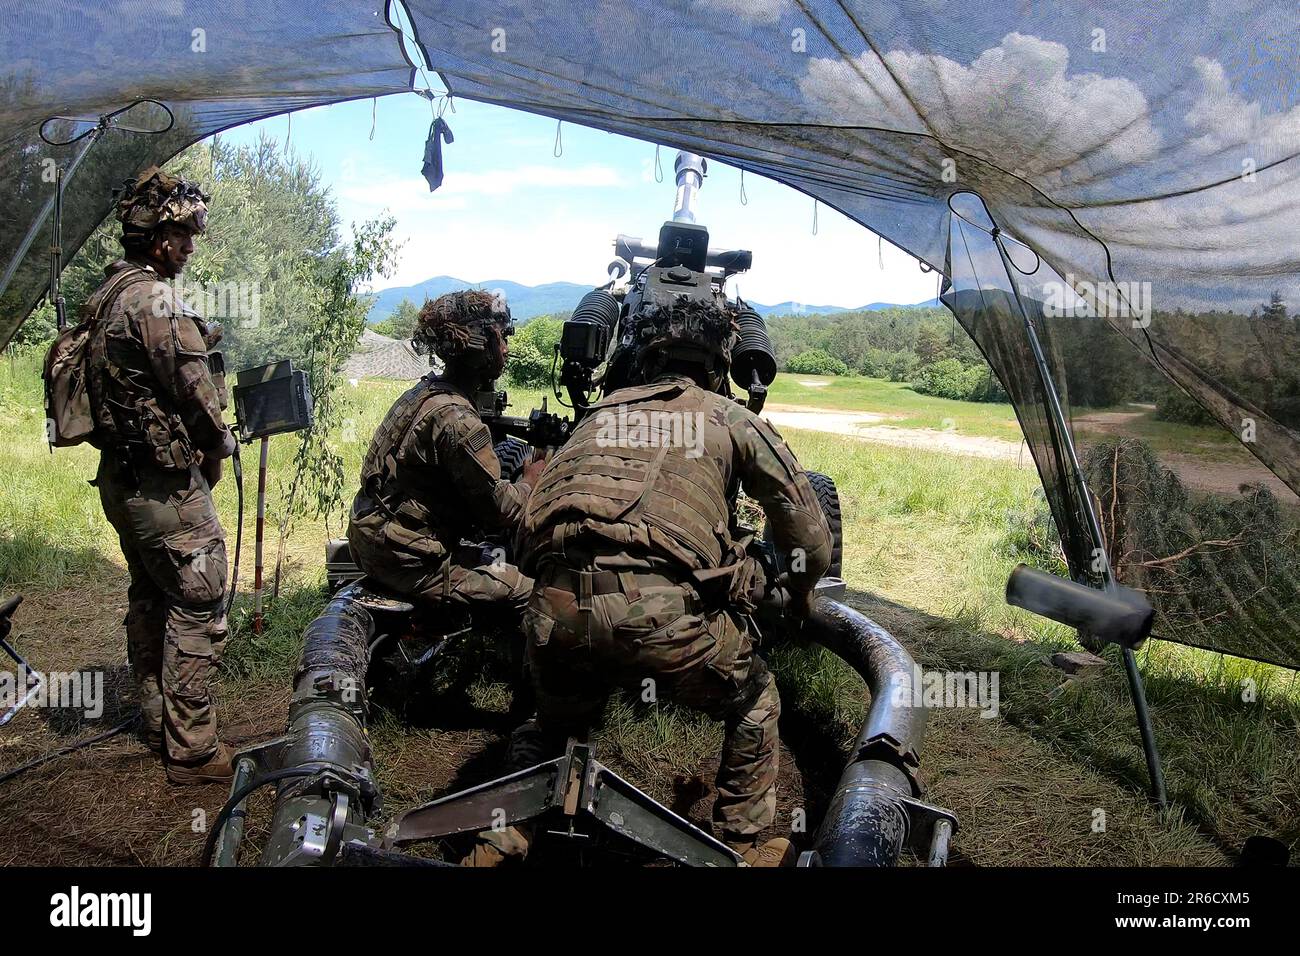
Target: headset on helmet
456,326
156,197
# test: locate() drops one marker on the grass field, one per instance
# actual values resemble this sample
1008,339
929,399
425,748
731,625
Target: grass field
929,541
906,408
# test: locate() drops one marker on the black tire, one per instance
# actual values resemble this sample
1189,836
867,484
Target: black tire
829,498
513,455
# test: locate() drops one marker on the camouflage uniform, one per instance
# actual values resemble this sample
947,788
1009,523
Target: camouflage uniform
629,535
430,479
158,412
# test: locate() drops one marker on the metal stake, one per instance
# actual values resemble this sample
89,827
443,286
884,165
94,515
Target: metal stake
261,523
1094,525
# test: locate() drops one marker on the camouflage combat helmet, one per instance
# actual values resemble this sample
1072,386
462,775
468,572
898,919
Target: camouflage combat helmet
156,197
457,326
698,333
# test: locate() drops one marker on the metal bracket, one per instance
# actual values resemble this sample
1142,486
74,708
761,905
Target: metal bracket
322,838
929,831
256,763
32,683
574,788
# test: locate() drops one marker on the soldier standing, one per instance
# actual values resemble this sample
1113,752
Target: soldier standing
431,476
639,576
159,429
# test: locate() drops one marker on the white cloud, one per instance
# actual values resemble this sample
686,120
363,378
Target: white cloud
1223,119
1016,105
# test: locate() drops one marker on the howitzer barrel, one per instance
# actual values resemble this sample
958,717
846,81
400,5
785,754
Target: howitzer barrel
690,170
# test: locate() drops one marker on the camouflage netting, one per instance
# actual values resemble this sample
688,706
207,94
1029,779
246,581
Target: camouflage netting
377,356
1144,153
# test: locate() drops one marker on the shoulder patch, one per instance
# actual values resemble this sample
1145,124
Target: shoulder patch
479,439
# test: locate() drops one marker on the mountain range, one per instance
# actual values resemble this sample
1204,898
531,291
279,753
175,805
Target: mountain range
529,301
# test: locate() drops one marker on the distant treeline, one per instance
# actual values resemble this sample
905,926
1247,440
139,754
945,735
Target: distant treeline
920,345
1255,355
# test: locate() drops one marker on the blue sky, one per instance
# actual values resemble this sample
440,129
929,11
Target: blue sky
509,209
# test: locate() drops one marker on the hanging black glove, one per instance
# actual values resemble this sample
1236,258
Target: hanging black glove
432,168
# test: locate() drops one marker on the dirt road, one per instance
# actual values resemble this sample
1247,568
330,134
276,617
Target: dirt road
1222,477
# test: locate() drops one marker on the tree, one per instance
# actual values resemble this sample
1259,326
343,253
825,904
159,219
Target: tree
402,323
532,352
930,344
1276,308
331,321
816,362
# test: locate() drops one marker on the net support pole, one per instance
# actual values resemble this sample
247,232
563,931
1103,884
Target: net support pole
1066,443
261,524
61,181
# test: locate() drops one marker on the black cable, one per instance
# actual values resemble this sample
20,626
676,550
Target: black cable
238,797
239,527
105,121
67,750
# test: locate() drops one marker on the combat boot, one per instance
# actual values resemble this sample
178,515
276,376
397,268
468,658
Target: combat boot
219,768
778,852
495,847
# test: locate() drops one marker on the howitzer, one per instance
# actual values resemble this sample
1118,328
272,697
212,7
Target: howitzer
597,347
578,807
598,343
541,429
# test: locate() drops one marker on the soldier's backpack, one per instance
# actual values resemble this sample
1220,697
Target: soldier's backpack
69,419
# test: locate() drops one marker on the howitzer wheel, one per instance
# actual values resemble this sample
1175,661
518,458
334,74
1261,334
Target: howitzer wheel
829,498
513,455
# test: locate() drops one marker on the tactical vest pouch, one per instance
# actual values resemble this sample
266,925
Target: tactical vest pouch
423,546
69,419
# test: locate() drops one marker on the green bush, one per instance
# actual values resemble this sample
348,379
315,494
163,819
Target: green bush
1175,405
948,378
895,365
816,362
902,366
943,379
532,352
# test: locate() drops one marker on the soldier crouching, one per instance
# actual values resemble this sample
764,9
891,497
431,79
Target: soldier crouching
640,582
159,427
431,477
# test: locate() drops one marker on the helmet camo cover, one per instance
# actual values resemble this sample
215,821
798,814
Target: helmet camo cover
454,325
156,197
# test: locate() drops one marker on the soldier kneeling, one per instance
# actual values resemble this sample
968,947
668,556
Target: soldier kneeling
431,476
